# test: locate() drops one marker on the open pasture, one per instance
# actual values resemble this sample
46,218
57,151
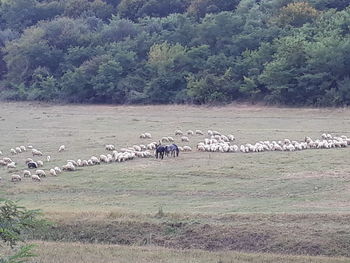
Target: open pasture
298,186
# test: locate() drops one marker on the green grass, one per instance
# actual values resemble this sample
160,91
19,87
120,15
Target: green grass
205,185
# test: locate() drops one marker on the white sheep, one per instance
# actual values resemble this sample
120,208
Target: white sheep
36,152
110,147
178,132
148,135
40,163
7,160
40,173
61,148
30,146
29,160
1,153
73,162
137,148
16,178
13,151
3,163
187,149
85,163
18,150
26,173
190,132
165,139
231,137
103,158
68,167
53,172
58,170
199,132
171,139
185,139
23,148
142,136
48,158
36,178
210,133
11,165
95,160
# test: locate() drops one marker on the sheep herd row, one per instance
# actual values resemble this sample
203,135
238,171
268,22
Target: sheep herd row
215,142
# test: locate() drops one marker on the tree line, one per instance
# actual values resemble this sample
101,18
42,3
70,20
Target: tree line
176,51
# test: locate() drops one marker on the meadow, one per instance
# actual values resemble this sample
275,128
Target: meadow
274,202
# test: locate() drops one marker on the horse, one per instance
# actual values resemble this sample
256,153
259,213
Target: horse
160,150
172,149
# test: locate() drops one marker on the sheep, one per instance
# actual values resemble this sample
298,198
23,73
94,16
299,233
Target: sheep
142,136
73,162
3,163
137,148
32,165
151,146
13,151
7,160
95,160
28,160
16,178
85,163
185,139
103,158
48,158
40,163
40,173
68,167
53,172
216,133
36,152
23,148
18,150
181,149
199,132
30,146
11,165
190,132
178,132
61,148
1,153
26,173
89,162
210,133
165,139
148,135
36,178
110,147
171,139
231,137
58,170
187,149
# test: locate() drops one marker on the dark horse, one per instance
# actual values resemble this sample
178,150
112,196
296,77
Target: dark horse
172,149
160,150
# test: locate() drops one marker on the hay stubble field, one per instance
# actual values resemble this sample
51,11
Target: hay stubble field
293,203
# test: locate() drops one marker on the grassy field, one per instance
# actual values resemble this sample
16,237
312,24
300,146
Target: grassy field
295,202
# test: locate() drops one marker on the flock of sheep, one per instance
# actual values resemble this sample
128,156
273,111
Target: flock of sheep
215,142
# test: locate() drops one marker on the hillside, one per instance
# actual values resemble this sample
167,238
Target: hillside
176,51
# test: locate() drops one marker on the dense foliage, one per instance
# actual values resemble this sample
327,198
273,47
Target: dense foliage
176,51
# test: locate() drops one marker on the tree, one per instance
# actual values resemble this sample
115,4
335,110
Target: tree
297,14
15,221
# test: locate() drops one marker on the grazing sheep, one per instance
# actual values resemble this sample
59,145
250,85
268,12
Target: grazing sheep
143,147
48,158
53,172
30,146
185,139
181,149
32,165
3,163
36,178
73,162
190,132
231,137
171,139
18,150
13,151
85,163
210,133
40,173
187,149
28,160
58,170
26,173
68,167
36,152
137,148
178,132
103,158
7,160
110,147
216,133
16,178
0,152
165,139
95,160
61,148
89,162
142,136
11,165
148,135
23,148
80,163
40,163
199,132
